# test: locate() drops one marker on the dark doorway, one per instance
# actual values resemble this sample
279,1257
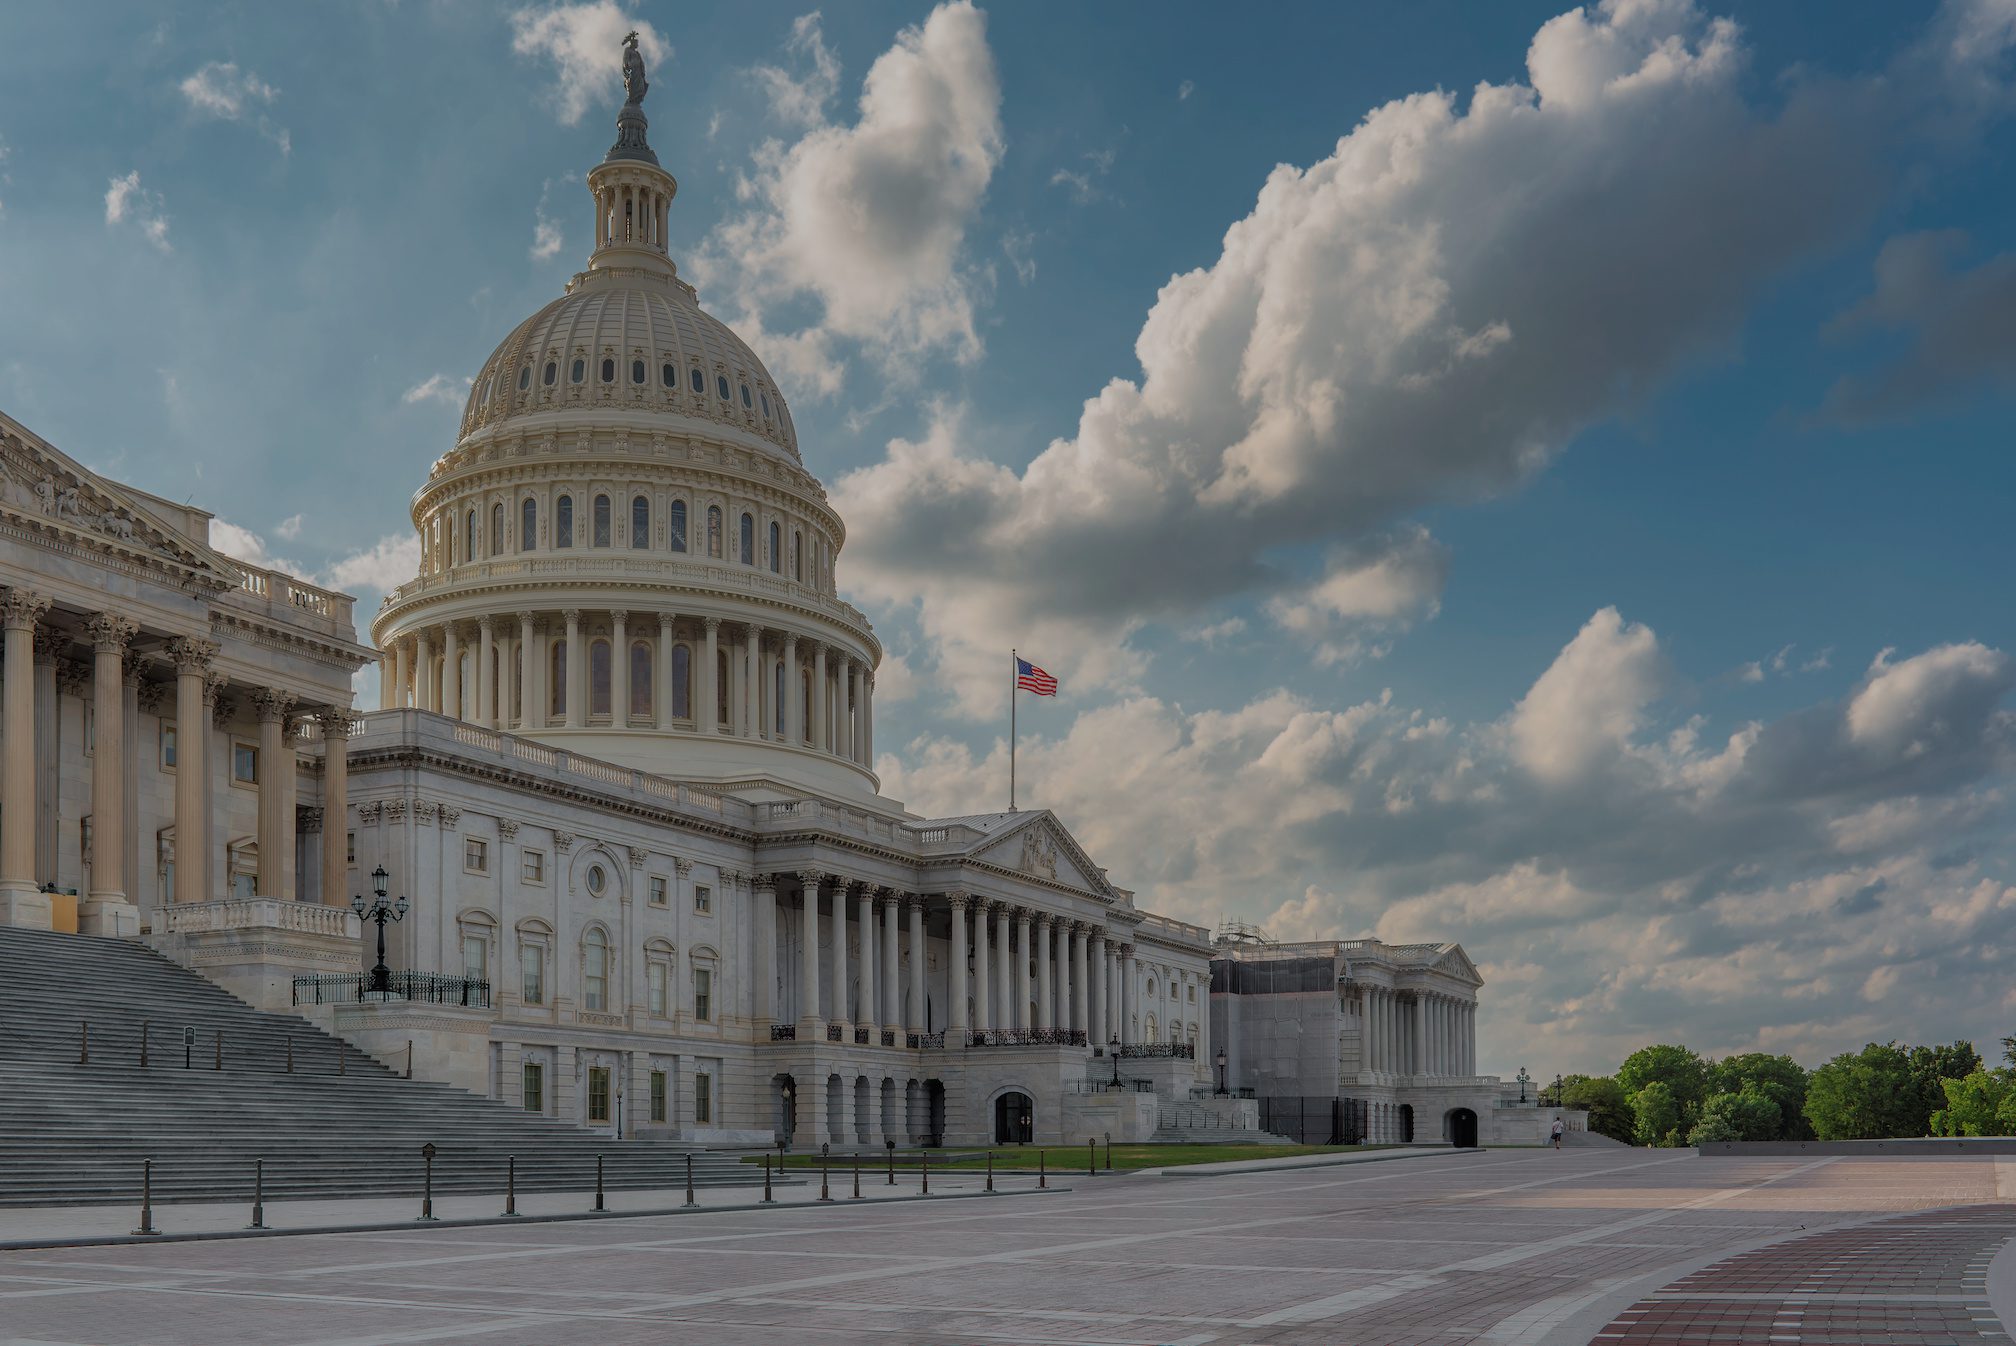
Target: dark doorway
1463,1128
787,1106
1406,1123
1014,1119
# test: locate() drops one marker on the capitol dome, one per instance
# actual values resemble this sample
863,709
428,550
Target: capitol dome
623,554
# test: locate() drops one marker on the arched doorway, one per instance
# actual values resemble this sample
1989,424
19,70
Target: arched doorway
786,1093
1406,1124
1462,1127
1014,1119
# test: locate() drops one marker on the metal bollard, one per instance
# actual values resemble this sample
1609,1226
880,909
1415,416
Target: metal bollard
598,1184
1042,1171
857,1177
258,1195
427,1153
990,1170
147,1198
409,1058
511,1184
825,1172
1109,1151
188,1046
891,1147
1091,1156
689,1180
766,1179
218,1064
924,1167
84,1042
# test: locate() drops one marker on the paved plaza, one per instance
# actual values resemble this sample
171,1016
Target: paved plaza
1509,1246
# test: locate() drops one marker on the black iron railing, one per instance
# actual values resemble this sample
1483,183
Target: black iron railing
925,1041
888,1037
426,987
783,1032
1181,1051
1025,1037
832,1032
861,1037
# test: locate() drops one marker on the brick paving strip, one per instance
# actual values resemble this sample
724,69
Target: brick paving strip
1913,1280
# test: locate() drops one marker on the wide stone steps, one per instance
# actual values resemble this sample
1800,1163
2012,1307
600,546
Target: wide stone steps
340,1124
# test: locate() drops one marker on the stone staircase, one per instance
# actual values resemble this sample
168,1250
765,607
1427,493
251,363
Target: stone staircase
338,1125
1200,1124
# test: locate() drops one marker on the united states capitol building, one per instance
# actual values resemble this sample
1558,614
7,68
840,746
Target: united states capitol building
623,774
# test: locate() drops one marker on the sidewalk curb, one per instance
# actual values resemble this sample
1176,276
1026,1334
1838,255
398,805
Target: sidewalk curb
479,1222
1240,1169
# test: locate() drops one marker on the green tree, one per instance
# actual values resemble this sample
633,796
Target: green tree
1979,1104
1658,1114
1931,1067
1748,1115
1778,1078
1610,1111
1865,1095
1684,1074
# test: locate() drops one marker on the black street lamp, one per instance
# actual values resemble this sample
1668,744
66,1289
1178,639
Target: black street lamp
381,911
1222,1091
1113,1050
1522,1077
1557,1090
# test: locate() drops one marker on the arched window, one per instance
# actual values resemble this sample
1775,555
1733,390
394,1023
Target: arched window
601,520
714,531
595,971
682,682
608,370
798,555
677,533
579,371
777,699
745,397
776,552
497,529
699,381
469,536
721,686
765,399
528,524
640,679
721,386
552,372
598,678
563,521
670,375
636,371
525,378
640,521
748,541
557,678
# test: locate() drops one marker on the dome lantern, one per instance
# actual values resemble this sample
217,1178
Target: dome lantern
632,193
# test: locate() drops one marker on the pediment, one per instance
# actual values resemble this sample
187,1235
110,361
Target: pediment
48,489
1456,963
1042,849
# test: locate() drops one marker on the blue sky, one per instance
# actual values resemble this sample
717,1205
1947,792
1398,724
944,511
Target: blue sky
1568,518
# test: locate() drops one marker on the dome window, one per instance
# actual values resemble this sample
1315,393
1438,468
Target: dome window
525,378
721,386
563,521
640,522
748,541
670,375
601,521
528,524
677,535
776,552
699,382
636,371
764,398
746,403
579,371
608,370
552,370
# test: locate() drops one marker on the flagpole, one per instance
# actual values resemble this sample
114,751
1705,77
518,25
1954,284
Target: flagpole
1013,684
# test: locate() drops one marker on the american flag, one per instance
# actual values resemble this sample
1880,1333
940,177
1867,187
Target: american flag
1033,679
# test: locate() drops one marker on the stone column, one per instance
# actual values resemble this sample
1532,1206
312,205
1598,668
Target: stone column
20,903
451,671
750,703
841,1012
808,963
276,790
1116,1018
1045,929
392,683
844,716
110,634
1095,1025
1470,1039
576,705
914,1021
892,990
983,980
486,654
706,717
1014,1009
425,686
867,753
192,658
766,949
794,697
528,681
619,669
955,1020
661,667
1129,997
871,991
819,696
336,724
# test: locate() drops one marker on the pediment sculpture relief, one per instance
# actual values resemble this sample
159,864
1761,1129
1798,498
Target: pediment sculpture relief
1039,854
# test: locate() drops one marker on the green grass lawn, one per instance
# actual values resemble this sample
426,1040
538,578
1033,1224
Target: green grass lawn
1067,1158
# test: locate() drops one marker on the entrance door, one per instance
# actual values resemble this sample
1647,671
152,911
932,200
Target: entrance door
1014,1119
1463,1129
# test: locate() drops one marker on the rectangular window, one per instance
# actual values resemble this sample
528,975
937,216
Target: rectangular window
167,747
657,891
657,1095
476,957
350,848
532,973
533,867
244,763
660,981
703,1098
703,994
598,1093
703,898
535,1087
475,855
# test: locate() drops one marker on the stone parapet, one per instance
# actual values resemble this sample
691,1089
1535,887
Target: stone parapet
255,947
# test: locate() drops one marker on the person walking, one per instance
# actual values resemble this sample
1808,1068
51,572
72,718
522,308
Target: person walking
1558,1129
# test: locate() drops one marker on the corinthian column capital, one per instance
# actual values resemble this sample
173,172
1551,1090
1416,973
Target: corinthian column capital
273,704
111,632
20,609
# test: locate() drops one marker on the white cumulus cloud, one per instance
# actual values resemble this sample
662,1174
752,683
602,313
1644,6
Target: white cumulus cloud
221,89
437,388
126,200
585,44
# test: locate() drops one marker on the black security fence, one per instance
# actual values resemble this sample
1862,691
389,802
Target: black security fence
1315,1121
